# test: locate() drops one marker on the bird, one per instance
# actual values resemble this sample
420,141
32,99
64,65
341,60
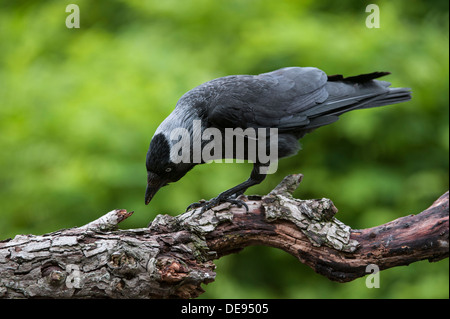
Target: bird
290,101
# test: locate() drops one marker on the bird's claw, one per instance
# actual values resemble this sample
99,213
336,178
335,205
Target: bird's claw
196,205
205,205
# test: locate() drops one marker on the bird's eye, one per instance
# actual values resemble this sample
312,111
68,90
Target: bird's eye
168,169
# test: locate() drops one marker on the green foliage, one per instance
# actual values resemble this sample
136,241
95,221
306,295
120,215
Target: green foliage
78,108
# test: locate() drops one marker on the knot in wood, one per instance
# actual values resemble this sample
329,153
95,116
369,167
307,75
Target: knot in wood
171,270
54,274
124,264
56,278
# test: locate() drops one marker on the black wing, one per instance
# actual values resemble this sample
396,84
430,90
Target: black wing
294,98
274,99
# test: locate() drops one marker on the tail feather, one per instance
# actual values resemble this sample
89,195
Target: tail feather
329,113
394,96
358,78
357,92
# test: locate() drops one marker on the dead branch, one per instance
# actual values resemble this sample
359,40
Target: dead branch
173,256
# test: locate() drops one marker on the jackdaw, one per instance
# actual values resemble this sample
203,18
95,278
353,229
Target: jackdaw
289,102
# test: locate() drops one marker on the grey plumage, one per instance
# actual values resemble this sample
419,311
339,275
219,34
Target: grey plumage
294,100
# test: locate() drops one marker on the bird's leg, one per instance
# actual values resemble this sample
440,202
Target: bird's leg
233,193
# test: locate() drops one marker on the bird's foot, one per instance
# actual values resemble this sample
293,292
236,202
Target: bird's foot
205,205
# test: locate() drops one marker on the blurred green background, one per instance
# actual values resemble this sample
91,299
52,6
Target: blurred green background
78,108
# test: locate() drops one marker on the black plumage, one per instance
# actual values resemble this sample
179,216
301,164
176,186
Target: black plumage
293,100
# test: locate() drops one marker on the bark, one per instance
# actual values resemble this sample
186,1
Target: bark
174,256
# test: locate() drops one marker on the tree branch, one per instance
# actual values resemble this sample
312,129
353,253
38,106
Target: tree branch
173,256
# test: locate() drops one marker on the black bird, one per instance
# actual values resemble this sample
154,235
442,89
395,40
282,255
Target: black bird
294,100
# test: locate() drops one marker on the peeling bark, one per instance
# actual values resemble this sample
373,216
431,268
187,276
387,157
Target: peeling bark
174,255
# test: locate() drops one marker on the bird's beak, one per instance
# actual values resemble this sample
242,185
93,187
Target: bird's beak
154,183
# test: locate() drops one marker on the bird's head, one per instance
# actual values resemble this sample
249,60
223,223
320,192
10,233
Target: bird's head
160,169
